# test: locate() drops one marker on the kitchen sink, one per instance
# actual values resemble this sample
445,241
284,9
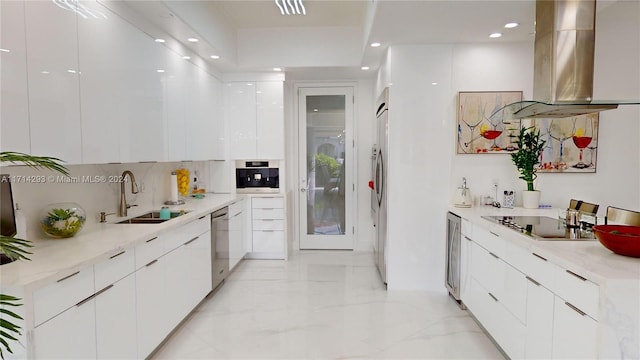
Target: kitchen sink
152,217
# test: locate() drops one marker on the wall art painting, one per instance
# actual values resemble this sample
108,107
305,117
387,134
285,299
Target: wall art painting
571,143
477,131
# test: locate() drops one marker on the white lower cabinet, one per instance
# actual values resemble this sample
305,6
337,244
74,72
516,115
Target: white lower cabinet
267,224
116,320
237,244
151,306
69,335
539,321
575,334
532,308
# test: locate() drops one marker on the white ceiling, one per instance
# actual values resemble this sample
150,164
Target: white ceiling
386,21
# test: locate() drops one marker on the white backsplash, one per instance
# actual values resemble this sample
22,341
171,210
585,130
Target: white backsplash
153,182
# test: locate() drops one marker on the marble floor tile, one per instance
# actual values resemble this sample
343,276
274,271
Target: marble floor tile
324,305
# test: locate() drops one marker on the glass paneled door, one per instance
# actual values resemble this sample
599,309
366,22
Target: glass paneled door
326,167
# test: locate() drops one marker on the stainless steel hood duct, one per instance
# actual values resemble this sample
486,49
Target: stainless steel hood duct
563,63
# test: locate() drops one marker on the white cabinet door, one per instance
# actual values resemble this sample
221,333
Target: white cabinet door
199,273
53,71
179,296
70,335
465,268
116,320
270,120
178,92
539,324
151,306
575,334
14,112
236,241
240,115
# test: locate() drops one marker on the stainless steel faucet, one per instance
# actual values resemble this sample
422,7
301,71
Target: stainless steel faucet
134,190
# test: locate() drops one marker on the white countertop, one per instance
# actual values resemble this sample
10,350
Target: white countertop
53,258
587,258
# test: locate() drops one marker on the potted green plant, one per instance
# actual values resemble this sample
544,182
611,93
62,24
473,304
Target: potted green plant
526,158
16,249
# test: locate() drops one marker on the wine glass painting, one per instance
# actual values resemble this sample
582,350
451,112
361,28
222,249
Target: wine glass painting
480,133
571,143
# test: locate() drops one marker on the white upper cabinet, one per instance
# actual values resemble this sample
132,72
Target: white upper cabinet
14,111
205,126
240,115
177,87
103,50
53,71
270,120
255,116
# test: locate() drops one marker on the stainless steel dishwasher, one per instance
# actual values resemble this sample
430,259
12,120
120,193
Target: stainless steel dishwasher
219,246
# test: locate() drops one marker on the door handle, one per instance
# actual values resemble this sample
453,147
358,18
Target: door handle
303,190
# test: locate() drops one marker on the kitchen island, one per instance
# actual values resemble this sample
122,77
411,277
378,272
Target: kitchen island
542,298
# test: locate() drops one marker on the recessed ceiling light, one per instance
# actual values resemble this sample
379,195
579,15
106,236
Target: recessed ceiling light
216,57
315,109
71,71
364,68
495,35
249,84
160,70
5,50
511,25
434,83
186,57
159,40
277,69
44,72
192,40
375,44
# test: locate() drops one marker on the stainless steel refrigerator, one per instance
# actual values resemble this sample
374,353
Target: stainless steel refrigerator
379,183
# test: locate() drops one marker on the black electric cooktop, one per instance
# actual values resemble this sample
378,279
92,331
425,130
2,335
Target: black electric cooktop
543,228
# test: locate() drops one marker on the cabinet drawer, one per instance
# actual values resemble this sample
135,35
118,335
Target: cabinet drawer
505,329
277,214
484,267
149,250
575,336
577,290
268,241
235,208
490,241
267,202
467,228
67,291
268,225
187,232
533,265
113,269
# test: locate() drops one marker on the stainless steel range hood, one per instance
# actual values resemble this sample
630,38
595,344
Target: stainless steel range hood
563,63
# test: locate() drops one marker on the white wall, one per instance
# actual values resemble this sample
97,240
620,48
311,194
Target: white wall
152,179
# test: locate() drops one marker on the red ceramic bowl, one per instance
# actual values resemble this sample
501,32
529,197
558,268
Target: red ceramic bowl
621,239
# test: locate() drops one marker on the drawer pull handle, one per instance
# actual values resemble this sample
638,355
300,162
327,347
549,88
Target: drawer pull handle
468,239
539,257
68,276
494,233
267,230
576,275
576,309
192,240
221,271
116,255
150,240
533,281
202,217
268,220
151,263
94,295
493,297
494,255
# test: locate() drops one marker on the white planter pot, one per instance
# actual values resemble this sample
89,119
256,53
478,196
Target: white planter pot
530,199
